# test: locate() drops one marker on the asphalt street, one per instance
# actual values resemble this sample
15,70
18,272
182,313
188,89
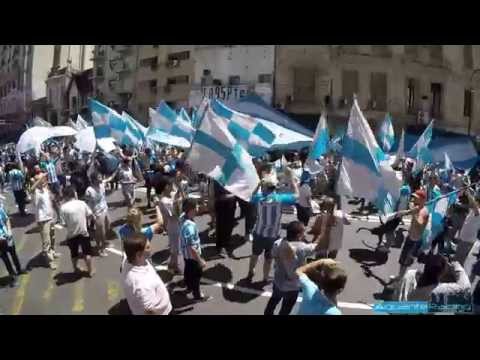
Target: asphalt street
56,292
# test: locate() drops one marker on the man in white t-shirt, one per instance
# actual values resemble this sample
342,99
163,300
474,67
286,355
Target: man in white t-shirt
44,215
145,291
75,215
468,232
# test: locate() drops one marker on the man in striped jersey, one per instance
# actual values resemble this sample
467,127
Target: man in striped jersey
17,182
49,166
192,250
269,215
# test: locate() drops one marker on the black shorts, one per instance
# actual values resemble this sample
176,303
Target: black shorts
261,244
78,242
55,188
409,252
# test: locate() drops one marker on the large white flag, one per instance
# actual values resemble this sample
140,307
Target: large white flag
218,154
364,170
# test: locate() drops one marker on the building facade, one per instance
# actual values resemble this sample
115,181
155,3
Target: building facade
67,63
180,74
412,82
24,70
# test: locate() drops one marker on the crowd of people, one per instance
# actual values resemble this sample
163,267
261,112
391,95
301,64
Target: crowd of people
69,189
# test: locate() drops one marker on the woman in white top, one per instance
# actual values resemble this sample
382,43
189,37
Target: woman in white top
44,215
304,205
96,199
128,182
170,206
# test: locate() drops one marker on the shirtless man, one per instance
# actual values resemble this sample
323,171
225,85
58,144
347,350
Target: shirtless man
414,240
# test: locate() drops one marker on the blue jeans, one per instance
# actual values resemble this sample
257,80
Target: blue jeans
289,299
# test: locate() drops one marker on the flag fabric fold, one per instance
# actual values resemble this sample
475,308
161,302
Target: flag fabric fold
400,151
254,136
167,120
386,134
134,131
81,123
438,211
319,147
364,171
217,153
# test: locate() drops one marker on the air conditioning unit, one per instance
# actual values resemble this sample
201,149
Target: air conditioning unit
173,63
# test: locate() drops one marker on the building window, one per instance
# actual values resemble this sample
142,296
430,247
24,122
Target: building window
436,91
436,54
155,46
304,85
378,91
467,103
100,71
150,62
349,84
181,79
467,56
183,55
411,96
234,80
265,78
381,50
74,104
153,86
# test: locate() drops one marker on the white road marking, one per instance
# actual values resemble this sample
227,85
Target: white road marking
230,286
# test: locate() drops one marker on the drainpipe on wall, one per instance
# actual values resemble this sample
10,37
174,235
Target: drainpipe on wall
274,77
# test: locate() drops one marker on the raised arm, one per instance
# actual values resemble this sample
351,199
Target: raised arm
315,265
37,182
158,226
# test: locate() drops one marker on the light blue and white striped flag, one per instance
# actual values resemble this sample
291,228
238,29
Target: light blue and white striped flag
438,210
197,114
422,142
135,133
251,133
107,123
364,171
386,134
420,150
195,118
184,116
448,163
168,121
320,146
217,153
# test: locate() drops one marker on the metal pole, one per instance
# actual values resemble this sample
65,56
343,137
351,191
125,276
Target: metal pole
472,93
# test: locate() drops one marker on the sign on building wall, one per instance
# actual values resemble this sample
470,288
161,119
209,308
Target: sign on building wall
227,94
